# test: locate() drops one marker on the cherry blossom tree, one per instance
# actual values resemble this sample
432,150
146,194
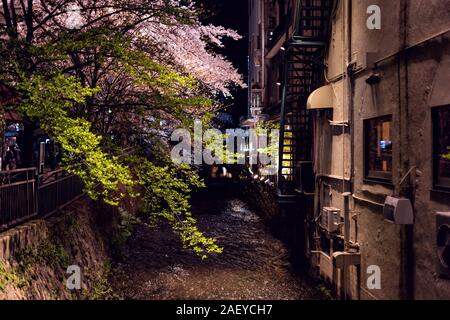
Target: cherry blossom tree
91,71
169,30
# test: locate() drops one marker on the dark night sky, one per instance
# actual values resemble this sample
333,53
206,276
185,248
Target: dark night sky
232,14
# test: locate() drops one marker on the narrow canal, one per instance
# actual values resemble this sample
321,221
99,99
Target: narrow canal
253,265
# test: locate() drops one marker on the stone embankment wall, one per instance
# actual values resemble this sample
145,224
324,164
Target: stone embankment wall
286,221
262,197
34,257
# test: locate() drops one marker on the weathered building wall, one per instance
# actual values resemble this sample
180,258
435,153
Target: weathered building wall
380,241
404,83
425,63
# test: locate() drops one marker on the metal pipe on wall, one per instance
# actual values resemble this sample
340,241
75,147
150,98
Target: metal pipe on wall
346,103
407,232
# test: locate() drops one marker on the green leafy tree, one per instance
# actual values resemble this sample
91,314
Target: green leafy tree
166,194
94,74
49,101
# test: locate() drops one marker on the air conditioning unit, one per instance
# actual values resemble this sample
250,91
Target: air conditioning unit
443,244
331,218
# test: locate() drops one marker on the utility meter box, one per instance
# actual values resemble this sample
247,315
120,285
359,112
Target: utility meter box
399,211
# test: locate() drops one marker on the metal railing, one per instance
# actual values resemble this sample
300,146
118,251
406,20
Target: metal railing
25,195
282,28
56,190
18,196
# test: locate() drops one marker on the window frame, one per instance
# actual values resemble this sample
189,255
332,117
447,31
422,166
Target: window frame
366,152
436,148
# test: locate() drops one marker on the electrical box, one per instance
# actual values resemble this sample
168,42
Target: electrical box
443,244
331,218
399,211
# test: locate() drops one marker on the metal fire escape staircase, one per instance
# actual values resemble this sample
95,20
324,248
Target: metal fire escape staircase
303,73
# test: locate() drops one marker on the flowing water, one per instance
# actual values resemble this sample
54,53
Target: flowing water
253,265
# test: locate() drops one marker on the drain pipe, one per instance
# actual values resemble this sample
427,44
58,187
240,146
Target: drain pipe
349,97
407,232
349,246
346,103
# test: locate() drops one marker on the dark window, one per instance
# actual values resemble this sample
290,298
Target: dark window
441,137
378,148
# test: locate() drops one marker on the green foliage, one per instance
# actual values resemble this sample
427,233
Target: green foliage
324,292
10,277
50,101
166,197
167,189
47,253
95,84
100,288
59,104
124,232
26,258
447,156
269,130
149,81
53,254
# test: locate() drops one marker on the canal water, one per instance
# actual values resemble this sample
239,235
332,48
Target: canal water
253,265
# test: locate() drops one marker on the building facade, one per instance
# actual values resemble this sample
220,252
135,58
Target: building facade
358,90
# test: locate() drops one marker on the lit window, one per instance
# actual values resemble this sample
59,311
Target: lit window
441,136
378,148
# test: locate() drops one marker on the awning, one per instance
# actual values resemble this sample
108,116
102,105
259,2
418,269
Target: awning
321,98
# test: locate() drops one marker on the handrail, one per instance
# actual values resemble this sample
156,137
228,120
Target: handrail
17,170
45,184
37,195
17,175
3,186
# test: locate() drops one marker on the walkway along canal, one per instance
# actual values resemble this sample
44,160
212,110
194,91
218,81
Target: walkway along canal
253,265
